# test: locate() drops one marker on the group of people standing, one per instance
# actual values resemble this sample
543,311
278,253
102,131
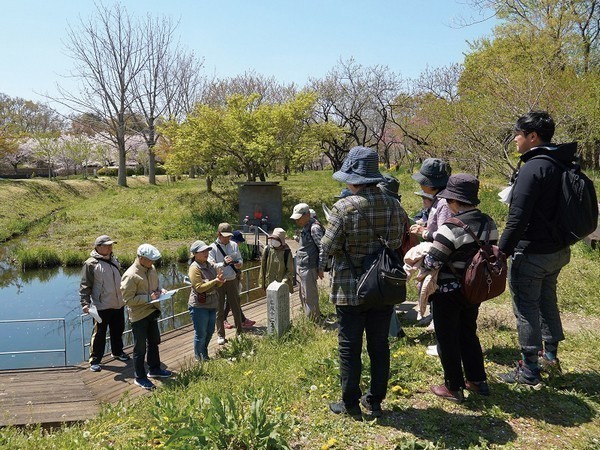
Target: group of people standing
366,210
533,243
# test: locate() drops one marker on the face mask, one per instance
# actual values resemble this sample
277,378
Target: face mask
275,243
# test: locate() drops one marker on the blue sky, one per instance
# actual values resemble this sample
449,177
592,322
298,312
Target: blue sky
290,40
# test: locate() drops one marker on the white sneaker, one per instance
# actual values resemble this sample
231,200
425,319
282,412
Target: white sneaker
432,350
430,327
221,340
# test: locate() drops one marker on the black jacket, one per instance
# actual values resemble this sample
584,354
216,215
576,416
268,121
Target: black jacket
531,226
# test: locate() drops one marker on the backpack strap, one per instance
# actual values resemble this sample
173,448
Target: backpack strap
264,263
459,223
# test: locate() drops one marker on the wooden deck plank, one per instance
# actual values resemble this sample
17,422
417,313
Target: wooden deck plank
59,395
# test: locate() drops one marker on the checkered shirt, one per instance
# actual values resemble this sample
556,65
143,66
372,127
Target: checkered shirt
347,229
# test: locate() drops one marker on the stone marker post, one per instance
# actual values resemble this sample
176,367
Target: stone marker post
278,308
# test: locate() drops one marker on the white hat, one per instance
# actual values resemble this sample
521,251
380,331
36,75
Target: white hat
199,246
299,210
148,251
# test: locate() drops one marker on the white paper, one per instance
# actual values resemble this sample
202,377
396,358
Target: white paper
93,311
504,195
167,295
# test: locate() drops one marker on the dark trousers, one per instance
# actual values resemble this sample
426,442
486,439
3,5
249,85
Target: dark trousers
145,335
455,322
115,319
532,280
375,323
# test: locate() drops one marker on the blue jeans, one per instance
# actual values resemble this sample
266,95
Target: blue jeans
204,320
146,332
375,323
532,281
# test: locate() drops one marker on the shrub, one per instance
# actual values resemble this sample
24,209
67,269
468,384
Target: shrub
37,257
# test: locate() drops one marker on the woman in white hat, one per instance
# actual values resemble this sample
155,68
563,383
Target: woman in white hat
204,300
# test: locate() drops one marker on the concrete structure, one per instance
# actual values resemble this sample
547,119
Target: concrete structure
261,204
278,308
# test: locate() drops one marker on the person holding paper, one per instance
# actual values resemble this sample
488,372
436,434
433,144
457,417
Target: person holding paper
225,254
140,286
101,297
204,299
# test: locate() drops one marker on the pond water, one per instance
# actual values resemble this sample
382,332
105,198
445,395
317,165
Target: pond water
54,294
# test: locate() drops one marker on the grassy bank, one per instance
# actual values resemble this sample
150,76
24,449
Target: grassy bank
264,393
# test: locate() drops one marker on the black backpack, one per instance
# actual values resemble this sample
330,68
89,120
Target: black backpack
383,281
577,212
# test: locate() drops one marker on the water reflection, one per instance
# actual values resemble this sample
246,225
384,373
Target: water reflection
54,293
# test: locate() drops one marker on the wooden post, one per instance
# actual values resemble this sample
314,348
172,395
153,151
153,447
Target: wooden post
278,308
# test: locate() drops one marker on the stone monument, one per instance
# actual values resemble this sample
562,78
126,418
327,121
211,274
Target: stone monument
278,308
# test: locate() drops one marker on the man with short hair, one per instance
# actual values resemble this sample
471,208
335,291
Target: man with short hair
538,250
308,258
100,290
140,288
224,254
350,239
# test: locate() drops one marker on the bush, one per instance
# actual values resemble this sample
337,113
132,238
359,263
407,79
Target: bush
37,257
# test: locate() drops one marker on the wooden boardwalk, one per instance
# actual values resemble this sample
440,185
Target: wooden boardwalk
54,396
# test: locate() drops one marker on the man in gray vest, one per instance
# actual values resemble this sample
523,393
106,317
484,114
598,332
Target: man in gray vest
308,257
100,289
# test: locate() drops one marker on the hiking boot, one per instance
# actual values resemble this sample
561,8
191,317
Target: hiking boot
551,367
123,357
95,367
523,375
227,325
478,387
374,409
144,383
443,391
248,323
160,373
340,408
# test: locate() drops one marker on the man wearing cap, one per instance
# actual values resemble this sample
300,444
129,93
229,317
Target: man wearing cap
308,257
349,239
238,238
100,288
140,287
224,254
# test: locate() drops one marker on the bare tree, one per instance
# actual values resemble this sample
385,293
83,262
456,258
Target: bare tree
163,86
358,100
108,52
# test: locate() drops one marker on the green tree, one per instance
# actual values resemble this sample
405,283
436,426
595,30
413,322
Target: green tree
245,135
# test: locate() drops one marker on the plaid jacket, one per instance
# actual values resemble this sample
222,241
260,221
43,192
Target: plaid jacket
347,229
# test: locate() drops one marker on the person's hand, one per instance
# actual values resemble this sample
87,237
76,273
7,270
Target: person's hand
238,265
86,309
155,294
227,259
220,277
417,229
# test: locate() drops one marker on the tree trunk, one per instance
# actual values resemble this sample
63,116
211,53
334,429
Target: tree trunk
209,183
151,166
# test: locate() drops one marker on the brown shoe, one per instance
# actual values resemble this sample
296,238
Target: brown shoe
442,391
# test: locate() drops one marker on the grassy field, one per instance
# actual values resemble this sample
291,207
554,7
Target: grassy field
267,393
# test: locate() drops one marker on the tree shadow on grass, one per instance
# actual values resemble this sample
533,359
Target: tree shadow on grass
548,405
452,429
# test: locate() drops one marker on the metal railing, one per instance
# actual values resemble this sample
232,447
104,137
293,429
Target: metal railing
172,316
49,350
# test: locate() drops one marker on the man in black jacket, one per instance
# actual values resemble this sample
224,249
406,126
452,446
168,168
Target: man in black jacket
539,250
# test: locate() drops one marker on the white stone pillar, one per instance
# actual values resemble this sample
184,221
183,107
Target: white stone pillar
278,308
